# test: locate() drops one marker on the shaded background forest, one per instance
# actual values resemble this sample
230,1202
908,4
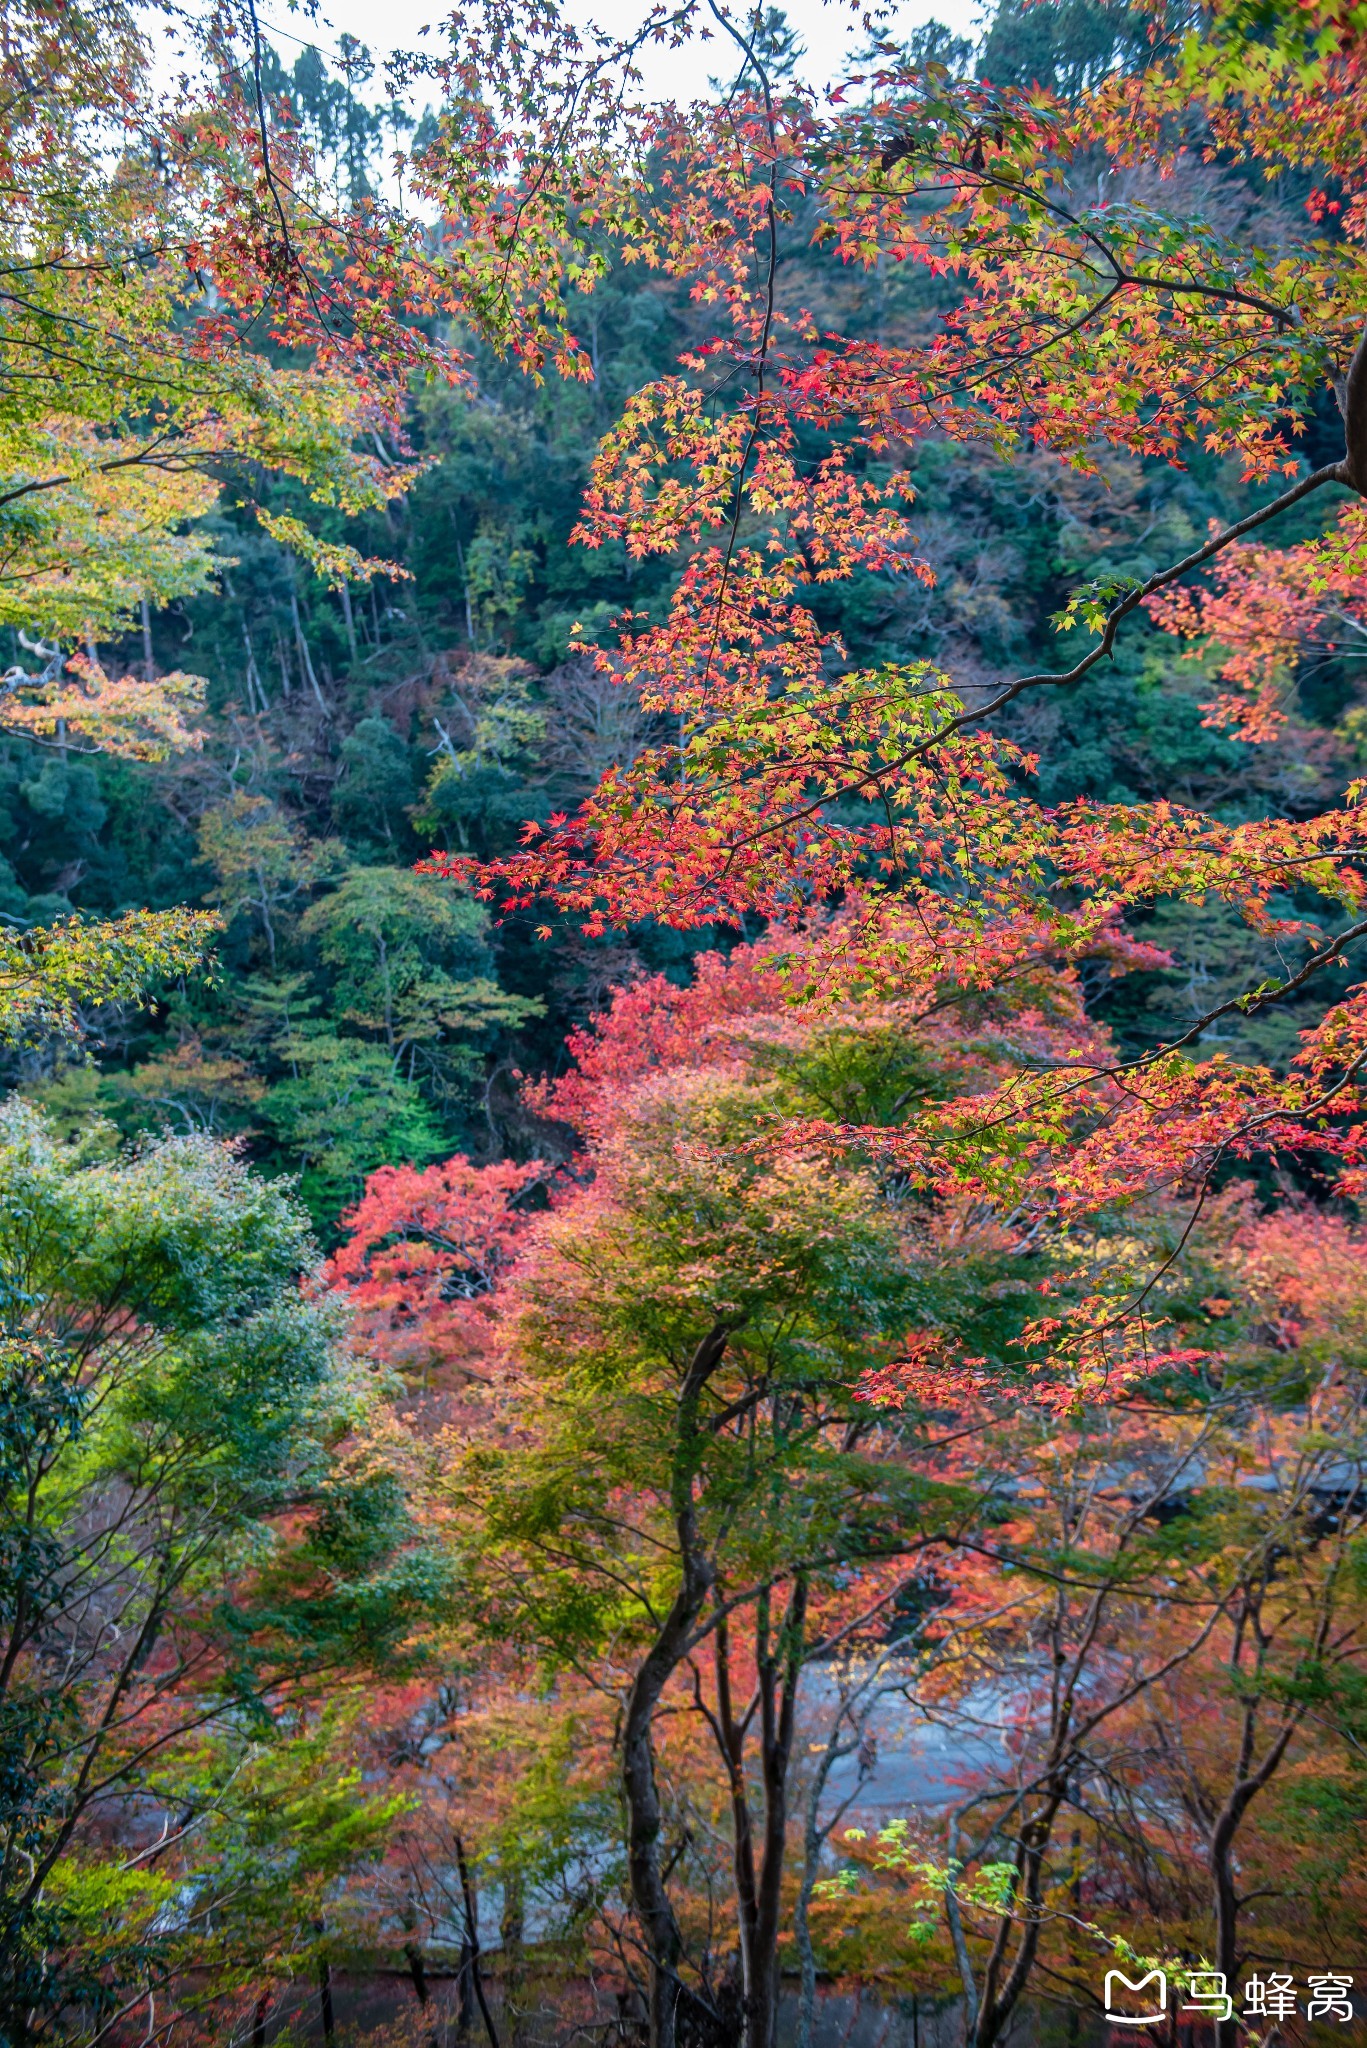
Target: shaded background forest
359,1015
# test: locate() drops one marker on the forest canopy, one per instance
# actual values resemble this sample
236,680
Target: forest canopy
682,1286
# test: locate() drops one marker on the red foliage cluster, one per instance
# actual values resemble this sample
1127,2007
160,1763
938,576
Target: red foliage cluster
778,458
425,1252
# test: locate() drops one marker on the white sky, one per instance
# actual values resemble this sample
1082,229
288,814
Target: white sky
824,27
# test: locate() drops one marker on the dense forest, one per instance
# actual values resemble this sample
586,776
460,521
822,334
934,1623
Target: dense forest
358,1018
634,1407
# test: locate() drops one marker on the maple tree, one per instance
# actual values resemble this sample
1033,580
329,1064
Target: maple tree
1095,299
1273,609
154,220
1275,1692
48,975
657,1446
424,1253
1164,1617
1097,1580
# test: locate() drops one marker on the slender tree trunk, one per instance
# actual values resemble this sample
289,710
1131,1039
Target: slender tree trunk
742,1834
512,1921
963,1961
470,1900
1353,403
148,668
650,1896
806,1956
1074,1959
325,2001
779,1679
350,618
996,2007
256,689
325,1994
382,955
1226,1919
465,2004
469,610
759,1886
417,1970
1249,1778
305,658
263,904
1223,1836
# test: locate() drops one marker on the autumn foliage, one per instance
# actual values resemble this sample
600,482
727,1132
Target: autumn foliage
849,1313
424,1253
781,457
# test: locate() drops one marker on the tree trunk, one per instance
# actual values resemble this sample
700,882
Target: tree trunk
1248,1784
256,689
305,658
742,1835
779,1676
759,1889
417,1970
350,618
325,1999
469,611
995,2008
473,1973
649,1894
813,1835
263,2006
1353,403
806,1955
1227,2032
